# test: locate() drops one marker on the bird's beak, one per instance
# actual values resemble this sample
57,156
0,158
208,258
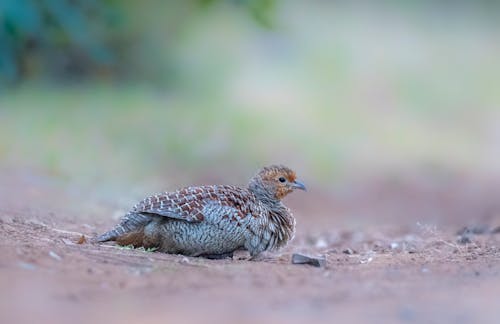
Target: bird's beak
299,185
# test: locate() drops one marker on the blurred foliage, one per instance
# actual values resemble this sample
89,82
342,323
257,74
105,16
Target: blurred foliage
57,37
333,89
72,39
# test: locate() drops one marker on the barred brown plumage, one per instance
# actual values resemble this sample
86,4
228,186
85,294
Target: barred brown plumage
216,220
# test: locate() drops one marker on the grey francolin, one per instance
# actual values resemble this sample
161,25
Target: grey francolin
214,221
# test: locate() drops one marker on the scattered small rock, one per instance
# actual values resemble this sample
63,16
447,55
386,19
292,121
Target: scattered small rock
366,260
321,243
475,229
411,250
55,256
464,239
348,251
463,231
27,266
184,260
304,259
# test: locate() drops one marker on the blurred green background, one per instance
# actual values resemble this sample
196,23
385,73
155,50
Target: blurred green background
173,92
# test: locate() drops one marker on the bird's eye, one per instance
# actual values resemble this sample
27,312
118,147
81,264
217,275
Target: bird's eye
282,179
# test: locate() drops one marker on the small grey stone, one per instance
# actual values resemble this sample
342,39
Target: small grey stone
27,266
321,243
55,256
464,239
394,245
348,251
304,259
475,229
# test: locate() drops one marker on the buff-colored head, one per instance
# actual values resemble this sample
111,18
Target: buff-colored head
275,181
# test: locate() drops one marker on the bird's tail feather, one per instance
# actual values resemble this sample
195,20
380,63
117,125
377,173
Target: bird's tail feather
129,223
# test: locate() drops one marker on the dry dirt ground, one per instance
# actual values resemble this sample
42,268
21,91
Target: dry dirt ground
391,249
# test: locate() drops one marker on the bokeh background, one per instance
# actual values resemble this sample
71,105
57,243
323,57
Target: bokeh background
396,99
389,111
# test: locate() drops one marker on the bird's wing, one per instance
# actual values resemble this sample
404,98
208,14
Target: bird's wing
189,203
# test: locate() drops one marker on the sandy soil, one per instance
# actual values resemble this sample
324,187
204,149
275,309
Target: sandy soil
392,251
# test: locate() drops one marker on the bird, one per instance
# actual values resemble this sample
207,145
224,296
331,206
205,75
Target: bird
213,221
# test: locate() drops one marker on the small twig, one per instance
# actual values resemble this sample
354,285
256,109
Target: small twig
448,243
66,232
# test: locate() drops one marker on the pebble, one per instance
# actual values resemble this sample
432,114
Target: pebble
464,239
321,243
367,260
304,259
27,266
348,251
55,256
184,260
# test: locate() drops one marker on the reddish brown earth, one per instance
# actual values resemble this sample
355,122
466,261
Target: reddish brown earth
391,249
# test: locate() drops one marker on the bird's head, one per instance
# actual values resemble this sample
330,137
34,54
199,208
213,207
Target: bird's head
274,182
